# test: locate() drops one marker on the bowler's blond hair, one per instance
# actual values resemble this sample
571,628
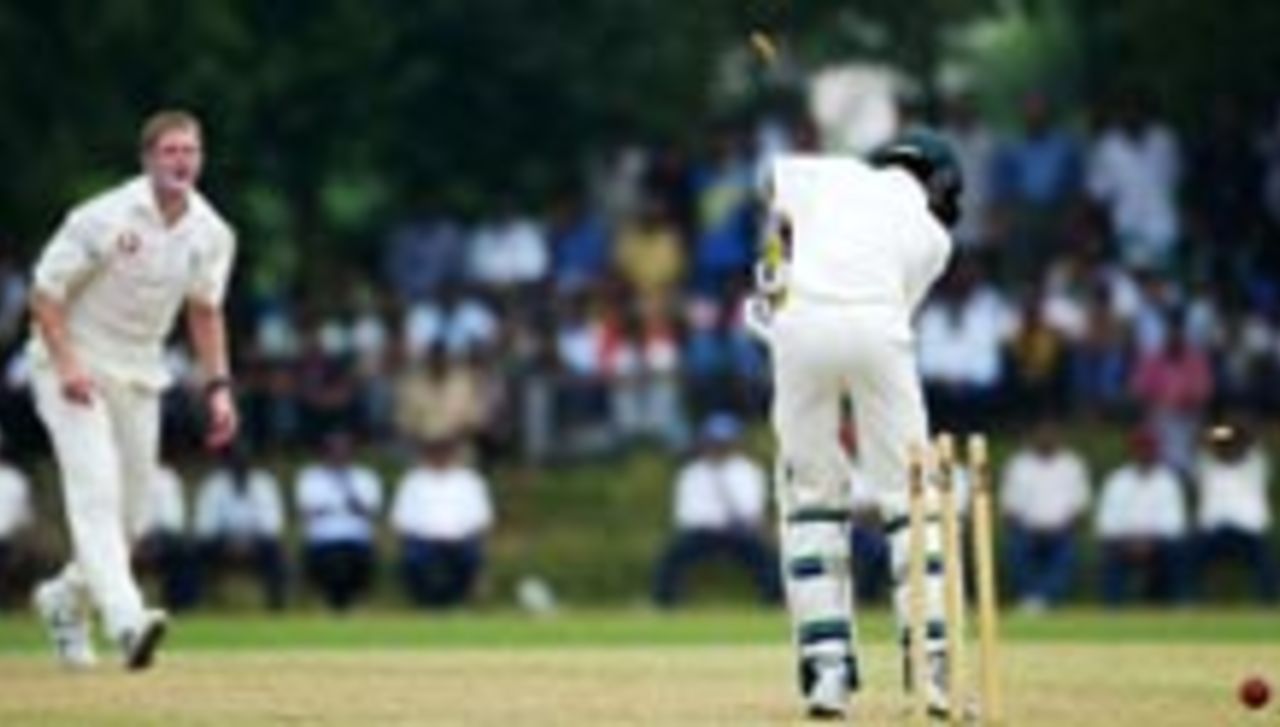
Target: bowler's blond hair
162,122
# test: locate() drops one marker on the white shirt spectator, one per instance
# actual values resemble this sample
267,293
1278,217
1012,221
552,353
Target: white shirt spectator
224,511
718,495
167,510
450,503
509,253
338,504
1233,494
1137,503
964,346
1045,492
15,501
1136,178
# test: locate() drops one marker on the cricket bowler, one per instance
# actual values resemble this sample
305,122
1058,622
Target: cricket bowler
106,291
853,248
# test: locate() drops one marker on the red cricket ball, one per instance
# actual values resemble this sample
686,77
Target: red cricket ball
1255,692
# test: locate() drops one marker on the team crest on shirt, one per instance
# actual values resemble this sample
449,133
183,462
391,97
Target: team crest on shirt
128,242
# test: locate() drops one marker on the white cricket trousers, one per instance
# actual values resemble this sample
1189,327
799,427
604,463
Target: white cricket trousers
107,453
822,353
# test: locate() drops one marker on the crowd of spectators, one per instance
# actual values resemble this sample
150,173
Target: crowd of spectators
1117,268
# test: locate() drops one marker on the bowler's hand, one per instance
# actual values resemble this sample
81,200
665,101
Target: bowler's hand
76,385
224,421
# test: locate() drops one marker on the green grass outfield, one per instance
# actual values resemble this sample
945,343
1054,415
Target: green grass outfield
623,667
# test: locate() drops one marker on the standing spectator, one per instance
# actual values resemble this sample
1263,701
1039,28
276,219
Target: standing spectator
719,510
162,539
441,514
1141,522
1044,493
975,148
425,254
239,521
1134,169
338,503
580,244
1174,385
16,516
1234,517
650,254
1226,197
723,189
510,252
1036,182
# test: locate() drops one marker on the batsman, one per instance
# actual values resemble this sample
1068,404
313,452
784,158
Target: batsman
852,249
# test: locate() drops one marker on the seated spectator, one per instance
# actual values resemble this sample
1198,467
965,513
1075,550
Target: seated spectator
16,516
338,504
326,386
719,511
1099,359
1141,522
458,320
708,358
582,396
441,396
162,540
1044,493
961,340
441,514
1234,517
239,522
1038,353
640,357
1174,384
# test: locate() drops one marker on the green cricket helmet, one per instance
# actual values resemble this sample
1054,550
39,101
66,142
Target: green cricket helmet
928,157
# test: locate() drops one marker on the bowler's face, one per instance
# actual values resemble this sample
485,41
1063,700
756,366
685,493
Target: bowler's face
174,160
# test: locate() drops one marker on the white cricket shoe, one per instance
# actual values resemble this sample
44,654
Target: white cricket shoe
828,696
67,622
138,643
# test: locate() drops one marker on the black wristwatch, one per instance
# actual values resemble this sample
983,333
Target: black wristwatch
216,384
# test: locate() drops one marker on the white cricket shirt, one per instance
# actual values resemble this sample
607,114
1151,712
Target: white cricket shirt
1138,503
1045,492
338,504
123,275
719,494
450,503
859,235
223,510
1233,494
